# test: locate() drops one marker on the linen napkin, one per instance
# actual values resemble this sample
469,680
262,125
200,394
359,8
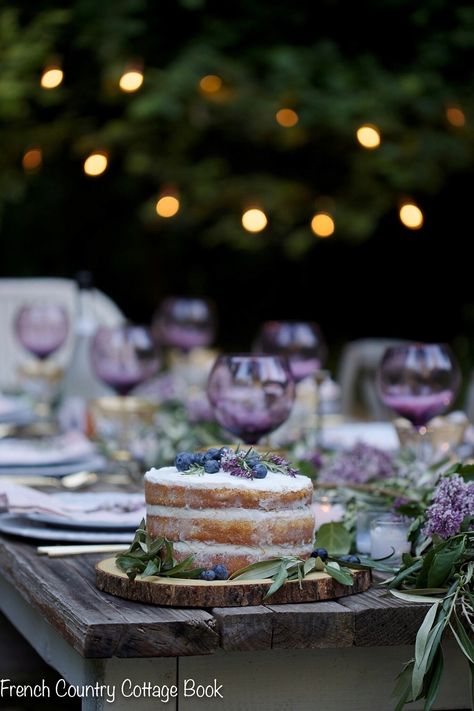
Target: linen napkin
110,507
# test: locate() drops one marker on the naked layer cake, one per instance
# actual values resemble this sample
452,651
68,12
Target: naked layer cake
239,513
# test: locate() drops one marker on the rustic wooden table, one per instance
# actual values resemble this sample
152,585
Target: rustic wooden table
324,655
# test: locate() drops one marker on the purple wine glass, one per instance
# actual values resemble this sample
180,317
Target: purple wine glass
301,341
418,381
185,323
124,356
42,328
251,394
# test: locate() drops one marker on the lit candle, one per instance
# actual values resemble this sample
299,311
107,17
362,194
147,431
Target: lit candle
388,535
364,519
327,508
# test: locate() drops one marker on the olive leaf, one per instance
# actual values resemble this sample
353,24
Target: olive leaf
335,538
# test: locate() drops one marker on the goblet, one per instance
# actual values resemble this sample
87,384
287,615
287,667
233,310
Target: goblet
185,323
301,341
42,328
124,356
418,381
251,394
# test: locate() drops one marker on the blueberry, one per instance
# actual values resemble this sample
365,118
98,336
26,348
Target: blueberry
224,450
350,558
320,553
184,461
253,462
208,575
199,458
213,453
211,466
221,572
260,471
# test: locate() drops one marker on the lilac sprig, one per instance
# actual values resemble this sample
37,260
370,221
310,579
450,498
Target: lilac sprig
275,463
236,464
453,501
358,465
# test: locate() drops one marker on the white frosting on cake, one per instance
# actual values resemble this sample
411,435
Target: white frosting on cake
227,514
274,481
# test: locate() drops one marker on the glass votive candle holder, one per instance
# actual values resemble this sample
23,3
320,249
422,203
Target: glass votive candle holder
388,537
327,507
364,519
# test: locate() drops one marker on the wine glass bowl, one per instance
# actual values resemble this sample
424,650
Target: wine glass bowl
251,394
124,356
185,323
302,342
418,381
42,328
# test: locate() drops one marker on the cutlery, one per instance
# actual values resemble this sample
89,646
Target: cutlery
60,551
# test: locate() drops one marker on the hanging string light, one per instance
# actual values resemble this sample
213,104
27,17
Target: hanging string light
131,80
32,159
456,116
254,220
51,77
323,224
411,216
287,118
368,136
210,84
167,206
96,163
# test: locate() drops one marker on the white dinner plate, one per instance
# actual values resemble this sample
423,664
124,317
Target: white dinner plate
347,434
19,526
93,463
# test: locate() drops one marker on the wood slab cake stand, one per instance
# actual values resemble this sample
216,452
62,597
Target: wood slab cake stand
180,592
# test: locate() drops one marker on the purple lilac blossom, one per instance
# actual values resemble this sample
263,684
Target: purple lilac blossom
358,465
453,500
279,461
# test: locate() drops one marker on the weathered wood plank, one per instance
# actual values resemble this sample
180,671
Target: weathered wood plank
98,625
243,628
312,626
381,619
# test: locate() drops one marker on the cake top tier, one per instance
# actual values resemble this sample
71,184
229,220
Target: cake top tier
274,481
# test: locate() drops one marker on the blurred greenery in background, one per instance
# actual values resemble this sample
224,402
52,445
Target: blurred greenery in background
396,64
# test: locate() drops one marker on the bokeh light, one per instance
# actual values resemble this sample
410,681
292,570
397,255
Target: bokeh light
131,81
210,84
456,116
254,220
167,206
322,224
32,159
95,164
411,216
51,77
368,136
287,118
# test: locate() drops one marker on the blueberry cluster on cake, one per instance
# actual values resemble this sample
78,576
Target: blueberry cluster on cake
230,508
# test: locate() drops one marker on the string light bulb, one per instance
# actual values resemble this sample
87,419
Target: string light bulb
32,159
210,84
254,220
167,206
51,77
411,216
131,80
456,116
96,163
287,118
323,224
368,136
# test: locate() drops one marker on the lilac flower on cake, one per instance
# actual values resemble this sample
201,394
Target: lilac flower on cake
358,465
452,502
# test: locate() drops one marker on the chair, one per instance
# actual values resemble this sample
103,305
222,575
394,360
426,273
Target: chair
16,292
356,376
